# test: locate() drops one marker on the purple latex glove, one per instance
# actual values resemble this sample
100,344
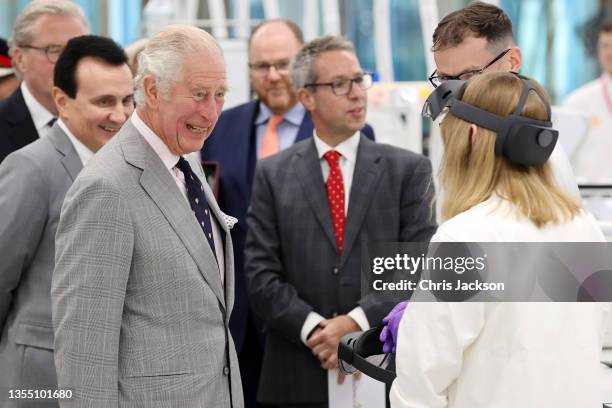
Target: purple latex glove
388,335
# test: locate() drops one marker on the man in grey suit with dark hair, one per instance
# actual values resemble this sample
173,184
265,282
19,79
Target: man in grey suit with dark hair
312,205
143,286
93,94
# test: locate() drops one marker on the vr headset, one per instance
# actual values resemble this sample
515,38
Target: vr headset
524,141
363,351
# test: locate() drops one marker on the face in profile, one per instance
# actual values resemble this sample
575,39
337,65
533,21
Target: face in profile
271,50
103,102
337,116
188,115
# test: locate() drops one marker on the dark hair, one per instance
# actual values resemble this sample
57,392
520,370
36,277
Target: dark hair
92,46
295,29
479,19
605,27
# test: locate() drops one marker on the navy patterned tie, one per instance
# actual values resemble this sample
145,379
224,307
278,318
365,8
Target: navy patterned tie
197,200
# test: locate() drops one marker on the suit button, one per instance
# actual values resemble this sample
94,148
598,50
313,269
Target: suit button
335,270
226,370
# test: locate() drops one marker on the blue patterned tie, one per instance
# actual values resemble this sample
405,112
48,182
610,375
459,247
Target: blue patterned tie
197,200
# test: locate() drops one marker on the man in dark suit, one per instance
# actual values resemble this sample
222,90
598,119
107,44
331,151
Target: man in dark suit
94,95
41,31
236,144
312,205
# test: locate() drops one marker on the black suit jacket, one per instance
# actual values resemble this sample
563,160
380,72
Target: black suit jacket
291,260
233,145
16,126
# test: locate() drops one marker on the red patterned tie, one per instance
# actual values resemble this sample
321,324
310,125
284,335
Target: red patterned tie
335,196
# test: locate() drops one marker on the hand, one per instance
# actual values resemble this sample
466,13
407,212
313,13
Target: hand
391,322
324,342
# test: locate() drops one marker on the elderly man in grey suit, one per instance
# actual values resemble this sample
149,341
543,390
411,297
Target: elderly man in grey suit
93,94
312,206
143,285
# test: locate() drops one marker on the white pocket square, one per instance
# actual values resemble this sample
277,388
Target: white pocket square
229,220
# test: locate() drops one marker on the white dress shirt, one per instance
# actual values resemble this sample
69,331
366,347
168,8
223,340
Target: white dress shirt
348,151
502,355
170,160
82,151
40,115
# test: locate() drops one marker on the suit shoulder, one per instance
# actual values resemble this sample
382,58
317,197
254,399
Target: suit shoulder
400,155
287,155
40,152
108,164
236,115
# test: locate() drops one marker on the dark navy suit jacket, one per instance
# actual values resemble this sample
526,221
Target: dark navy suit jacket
232,145
16,126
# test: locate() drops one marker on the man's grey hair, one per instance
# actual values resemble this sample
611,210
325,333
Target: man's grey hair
22,29
164,54
302,70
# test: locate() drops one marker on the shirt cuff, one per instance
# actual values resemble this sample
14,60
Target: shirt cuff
312,320
358,315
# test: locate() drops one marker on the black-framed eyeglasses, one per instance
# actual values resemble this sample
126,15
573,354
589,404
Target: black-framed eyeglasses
52,52
263,68
437,80
342,87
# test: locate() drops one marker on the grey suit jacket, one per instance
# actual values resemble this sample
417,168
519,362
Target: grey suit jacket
139,310
33,183
292,264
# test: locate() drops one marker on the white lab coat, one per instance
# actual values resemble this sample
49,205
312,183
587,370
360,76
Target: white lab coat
591,159
501,355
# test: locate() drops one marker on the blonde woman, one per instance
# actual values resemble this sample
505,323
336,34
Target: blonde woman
472,355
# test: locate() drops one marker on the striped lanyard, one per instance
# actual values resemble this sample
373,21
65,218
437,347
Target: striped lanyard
606,92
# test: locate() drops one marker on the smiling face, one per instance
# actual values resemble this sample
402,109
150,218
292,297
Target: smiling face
336,118
103,102
273,43
187,117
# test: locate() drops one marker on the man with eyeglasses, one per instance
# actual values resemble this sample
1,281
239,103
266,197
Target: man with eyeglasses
272,122
312,205
479,38
468,42
41,31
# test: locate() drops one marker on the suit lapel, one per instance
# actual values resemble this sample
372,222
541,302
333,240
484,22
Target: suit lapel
70,159
309,174
157,181
365,178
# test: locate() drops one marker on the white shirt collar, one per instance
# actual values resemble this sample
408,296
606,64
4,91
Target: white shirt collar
157,144
295,115
40,115
348,148
82,151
